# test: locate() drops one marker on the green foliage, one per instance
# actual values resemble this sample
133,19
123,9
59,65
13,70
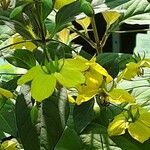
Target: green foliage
55,95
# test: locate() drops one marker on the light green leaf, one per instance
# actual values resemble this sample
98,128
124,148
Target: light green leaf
70,78
5,93
137,12
120,96
43,86
135,131
30,75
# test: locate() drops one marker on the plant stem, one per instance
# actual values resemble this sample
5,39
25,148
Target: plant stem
84,37
95,32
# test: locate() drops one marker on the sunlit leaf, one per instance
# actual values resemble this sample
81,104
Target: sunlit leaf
70,78
120,96
30,75
5,93
60,3
43,86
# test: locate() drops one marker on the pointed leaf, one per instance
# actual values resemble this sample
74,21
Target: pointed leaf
22,58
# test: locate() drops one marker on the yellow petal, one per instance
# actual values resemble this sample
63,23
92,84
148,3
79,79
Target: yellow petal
144,63
64,35
117,126
139,131
132,69
145,118
9,145
5,93
111,16
99,69
30,75
119,96
71,99
84,22
43,86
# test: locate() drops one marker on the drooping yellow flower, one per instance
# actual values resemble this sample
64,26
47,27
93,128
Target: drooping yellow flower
137,123
9,145
133,69
67,72
60,3
94,77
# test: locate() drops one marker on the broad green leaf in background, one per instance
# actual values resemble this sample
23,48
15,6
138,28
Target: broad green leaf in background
69,141
63,17
137,12
95,137
7,118
52,117
113,62
22,58
47,6
83,115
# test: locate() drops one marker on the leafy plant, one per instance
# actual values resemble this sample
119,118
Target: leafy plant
61,97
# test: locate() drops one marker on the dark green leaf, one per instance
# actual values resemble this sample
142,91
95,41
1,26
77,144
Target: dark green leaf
69,141
11,85
7,118
67,14
113,62
52,117
95,137
22,58
55,112
26,130
47,7
83,115
56,48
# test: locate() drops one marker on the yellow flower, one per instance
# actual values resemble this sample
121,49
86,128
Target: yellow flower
133,69
137,123
60,3
67,72
94,77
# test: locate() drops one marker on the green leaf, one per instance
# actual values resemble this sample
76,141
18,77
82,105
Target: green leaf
47,7
7,118
83,115
43,86
95,138
63,17
52,117
102,5
69,141
17,11
22,58
55,112
61,50
137,12
113,62
26,130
